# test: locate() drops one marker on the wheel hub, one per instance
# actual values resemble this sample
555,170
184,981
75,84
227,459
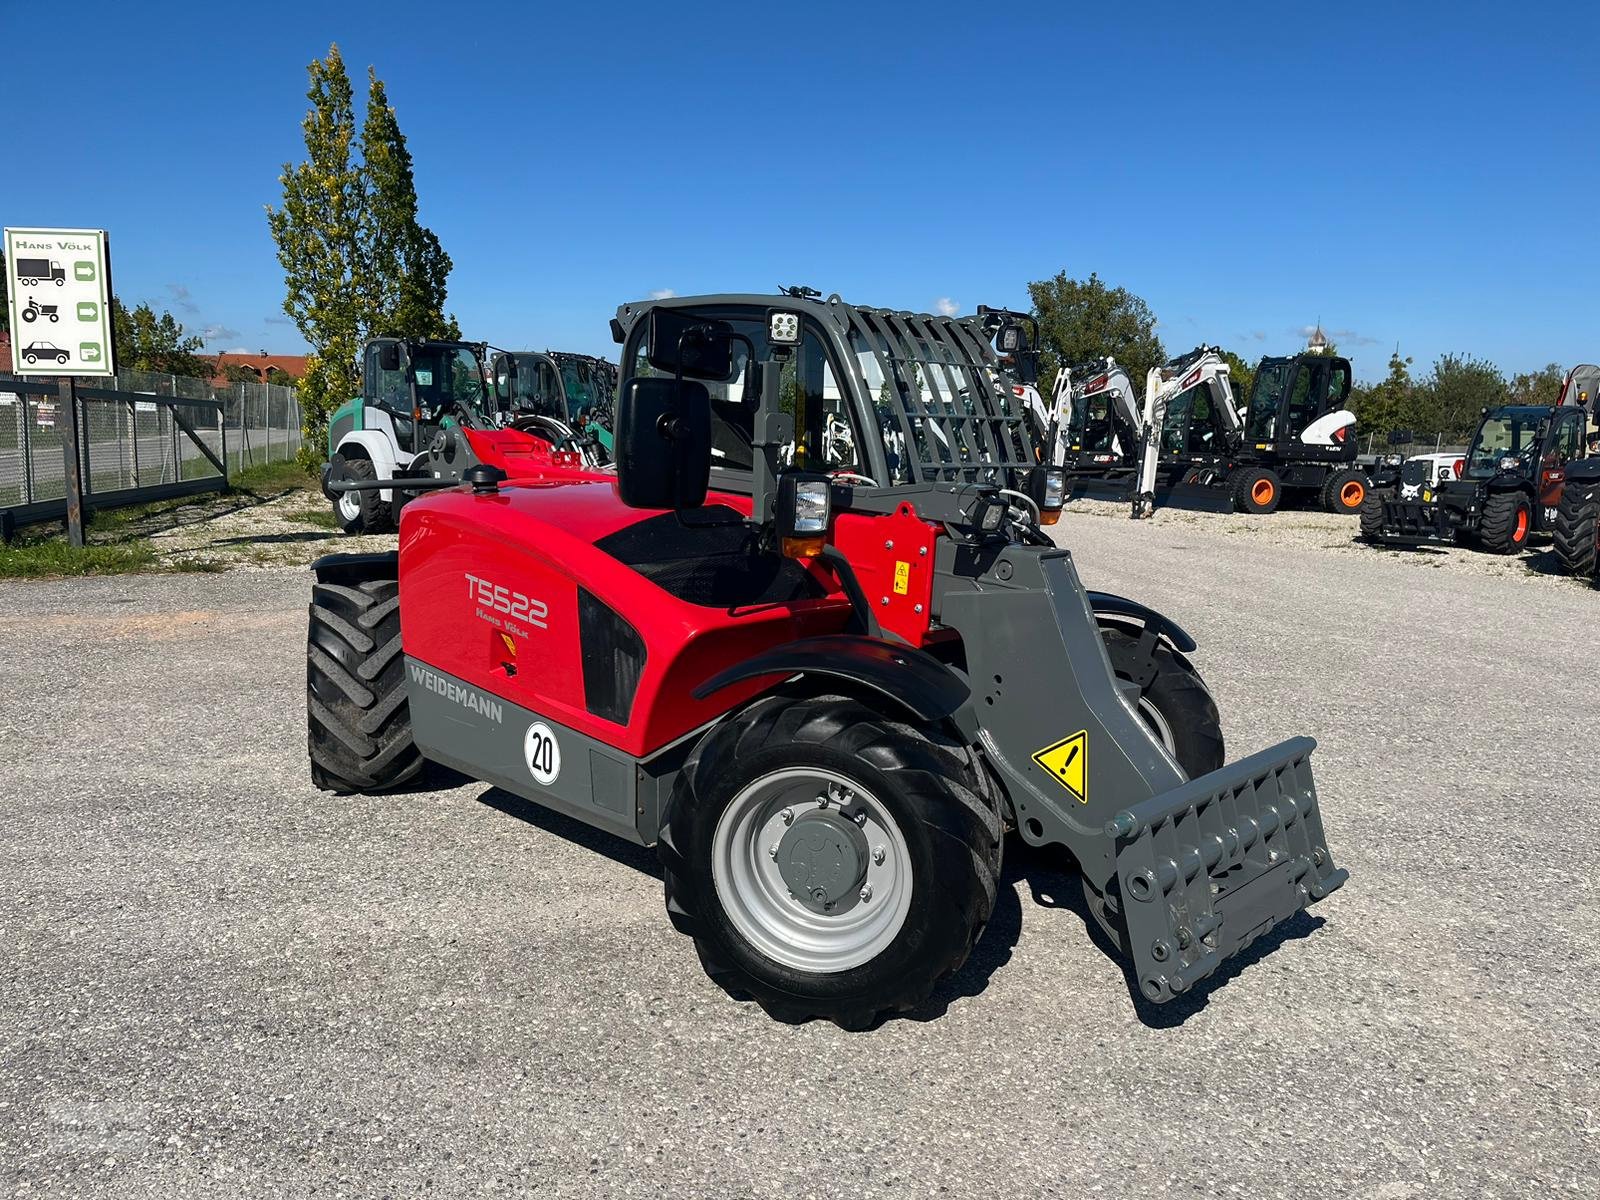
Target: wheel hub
823,858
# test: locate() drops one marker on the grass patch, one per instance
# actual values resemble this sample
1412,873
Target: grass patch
52,557
322,518
270,478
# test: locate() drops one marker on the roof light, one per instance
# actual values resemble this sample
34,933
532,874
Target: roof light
783,328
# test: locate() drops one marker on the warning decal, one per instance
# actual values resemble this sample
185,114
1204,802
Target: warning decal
902,578
1066,762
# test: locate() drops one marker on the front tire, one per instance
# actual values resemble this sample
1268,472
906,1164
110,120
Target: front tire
1372,516
1173,700
1577,531
838,926
360,512
358,721
1507,520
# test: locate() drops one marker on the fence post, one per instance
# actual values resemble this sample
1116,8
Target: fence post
69,450
133,429
25,443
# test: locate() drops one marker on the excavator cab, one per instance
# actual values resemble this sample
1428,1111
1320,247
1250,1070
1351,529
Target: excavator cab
1293,395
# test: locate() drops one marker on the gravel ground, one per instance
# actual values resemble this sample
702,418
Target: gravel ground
218,981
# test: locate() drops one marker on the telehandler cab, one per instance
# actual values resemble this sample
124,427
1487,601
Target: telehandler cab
823,691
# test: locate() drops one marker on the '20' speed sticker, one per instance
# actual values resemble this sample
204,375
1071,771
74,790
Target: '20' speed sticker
542,753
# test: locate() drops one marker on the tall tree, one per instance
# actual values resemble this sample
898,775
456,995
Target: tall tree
1455,391
147,342
1083,318
1381,408
318,233
405,266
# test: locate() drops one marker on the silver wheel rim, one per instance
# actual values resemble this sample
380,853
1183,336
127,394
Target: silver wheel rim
1158,725
350,506
757,900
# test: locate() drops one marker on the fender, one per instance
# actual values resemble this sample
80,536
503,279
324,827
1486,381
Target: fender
1320,432
1509,483
1119,610
912,679
378,445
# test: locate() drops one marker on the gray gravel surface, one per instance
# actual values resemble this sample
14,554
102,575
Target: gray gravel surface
217,981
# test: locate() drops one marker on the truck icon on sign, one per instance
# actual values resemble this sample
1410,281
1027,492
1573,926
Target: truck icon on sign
32,270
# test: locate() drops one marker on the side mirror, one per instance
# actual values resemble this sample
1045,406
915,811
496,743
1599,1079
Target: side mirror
1401,437
389,356
663,443
681,343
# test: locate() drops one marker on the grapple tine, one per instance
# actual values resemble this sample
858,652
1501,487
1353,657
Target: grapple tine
1208,867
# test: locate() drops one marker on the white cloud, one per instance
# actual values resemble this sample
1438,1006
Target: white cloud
219,333
237,350
946,306
663,294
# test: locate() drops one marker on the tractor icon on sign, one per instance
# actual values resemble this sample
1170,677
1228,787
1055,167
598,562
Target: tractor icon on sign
35,310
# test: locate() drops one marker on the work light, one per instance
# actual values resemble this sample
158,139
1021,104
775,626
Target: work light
783,328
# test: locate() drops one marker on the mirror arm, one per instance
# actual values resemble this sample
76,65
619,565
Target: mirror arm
773,430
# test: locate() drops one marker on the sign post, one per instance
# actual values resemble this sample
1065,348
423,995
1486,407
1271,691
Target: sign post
59,285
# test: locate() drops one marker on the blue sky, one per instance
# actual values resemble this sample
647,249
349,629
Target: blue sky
1427,174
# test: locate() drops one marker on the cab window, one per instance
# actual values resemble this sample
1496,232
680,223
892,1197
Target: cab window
1567,439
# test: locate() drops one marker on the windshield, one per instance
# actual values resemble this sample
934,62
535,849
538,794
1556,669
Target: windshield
586,387
1503,432
447,376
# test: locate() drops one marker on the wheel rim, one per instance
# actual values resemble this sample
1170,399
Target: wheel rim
757,898
1521,530
1158,725
349,506
1261,491
1352,494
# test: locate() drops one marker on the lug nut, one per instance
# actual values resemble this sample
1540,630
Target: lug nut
822,802
879,854
866,892
772,850
861,817
788,816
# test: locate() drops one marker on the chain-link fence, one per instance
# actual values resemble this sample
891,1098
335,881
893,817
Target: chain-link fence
144,436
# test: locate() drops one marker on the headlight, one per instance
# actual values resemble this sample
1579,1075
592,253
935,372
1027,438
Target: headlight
811,507
1393,460
1511,463
1047,487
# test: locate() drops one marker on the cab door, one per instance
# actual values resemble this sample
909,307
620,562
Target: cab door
1563,444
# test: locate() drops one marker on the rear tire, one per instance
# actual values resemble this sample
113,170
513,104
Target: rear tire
1372,516
358,721
1346,491
1577,531
1256,490
1507,520
934,806
1173,701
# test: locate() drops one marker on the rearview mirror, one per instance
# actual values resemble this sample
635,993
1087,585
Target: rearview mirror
389,356
680,342
663,443
1401,437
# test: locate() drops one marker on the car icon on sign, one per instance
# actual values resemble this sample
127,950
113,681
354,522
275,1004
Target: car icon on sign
32,354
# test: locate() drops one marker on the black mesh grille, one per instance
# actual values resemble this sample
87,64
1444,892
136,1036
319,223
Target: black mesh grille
1413,471
613,658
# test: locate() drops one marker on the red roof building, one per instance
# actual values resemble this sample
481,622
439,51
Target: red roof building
293,365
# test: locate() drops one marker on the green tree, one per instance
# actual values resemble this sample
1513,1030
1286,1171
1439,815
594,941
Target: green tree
278,377
1538,387
1381,408
1451,398
1241,376
1083,318
404,265
147,342
239,373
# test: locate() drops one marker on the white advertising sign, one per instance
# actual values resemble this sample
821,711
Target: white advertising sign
58,282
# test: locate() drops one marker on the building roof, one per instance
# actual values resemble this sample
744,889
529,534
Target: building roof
289,364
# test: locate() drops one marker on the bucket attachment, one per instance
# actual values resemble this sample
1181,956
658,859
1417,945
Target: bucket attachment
1208,867
1099,487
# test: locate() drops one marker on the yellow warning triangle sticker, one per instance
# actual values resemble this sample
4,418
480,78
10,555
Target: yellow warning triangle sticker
1066,762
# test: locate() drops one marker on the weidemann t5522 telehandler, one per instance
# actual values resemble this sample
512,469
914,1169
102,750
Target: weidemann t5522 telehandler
822,690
